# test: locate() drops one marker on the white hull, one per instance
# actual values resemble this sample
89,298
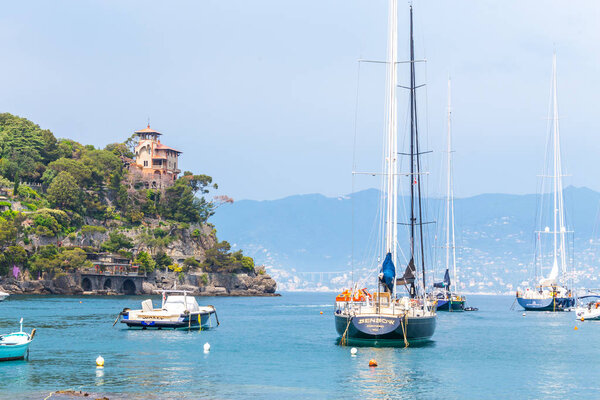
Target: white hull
3,296
587,313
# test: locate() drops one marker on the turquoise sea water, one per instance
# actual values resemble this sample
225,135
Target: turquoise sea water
274,348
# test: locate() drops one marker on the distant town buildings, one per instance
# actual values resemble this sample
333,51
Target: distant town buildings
155,164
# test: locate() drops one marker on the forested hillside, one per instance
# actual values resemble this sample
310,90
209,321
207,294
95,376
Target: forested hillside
62,200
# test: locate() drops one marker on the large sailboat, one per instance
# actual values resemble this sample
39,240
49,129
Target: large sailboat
448,300
386,317
550,293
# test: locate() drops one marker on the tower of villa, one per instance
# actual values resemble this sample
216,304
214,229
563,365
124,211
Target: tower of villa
157,163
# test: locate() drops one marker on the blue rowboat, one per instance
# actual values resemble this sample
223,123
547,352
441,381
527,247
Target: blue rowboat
15,346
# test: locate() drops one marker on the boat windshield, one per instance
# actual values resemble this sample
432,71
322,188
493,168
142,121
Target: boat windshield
177,304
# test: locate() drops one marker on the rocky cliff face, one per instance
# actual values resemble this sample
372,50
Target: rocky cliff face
198,284
179,243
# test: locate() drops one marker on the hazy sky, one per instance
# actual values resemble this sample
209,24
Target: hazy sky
261,94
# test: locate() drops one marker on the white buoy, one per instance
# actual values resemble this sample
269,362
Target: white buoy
353,351
206,347
100,361
524,314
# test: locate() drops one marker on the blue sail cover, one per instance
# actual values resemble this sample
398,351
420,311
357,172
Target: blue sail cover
389,272
445,283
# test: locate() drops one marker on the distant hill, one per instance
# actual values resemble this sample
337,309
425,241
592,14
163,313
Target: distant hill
313,233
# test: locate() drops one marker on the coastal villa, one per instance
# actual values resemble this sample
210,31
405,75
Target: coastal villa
156,164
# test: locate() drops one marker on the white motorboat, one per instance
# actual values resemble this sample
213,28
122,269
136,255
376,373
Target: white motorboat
3,295
177,311
588,308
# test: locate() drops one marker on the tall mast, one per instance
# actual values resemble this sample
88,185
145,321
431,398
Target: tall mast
415,162
391,228
559,214
555,161
450,194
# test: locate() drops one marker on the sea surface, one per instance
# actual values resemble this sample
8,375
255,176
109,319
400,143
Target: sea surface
283,348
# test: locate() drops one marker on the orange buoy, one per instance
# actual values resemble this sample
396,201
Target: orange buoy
583,319
321,312
576,328
372,363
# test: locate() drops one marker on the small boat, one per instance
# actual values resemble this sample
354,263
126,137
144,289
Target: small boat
178,311
551,293
3,295
15,346
590,310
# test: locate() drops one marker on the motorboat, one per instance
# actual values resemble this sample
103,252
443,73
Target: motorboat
3,295
15,346
178,310
588,308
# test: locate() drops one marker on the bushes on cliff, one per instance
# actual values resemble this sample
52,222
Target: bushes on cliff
50,258
220,259
116,241
64,192
48,222
145,262
12,256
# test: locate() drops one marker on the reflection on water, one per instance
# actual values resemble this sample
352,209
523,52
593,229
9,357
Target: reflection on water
268,348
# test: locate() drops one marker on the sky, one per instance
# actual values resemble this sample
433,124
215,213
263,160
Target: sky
262,95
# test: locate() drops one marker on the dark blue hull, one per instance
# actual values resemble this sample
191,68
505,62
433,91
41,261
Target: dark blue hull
379,330
193,321
549,304
448,305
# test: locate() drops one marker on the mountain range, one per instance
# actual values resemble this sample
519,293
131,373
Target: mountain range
314,242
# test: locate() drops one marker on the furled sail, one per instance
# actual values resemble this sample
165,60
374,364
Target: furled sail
446,283
409,274
552,278
388,271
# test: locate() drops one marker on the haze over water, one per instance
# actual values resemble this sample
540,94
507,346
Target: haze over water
273,347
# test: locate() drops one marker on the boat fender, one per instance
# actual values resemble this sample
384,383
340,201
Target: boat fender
32,334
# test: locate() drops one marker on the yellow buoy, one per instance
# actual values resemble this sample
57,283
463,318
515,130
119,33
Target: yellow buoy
576,328
372,363
583,319
100,361
321,313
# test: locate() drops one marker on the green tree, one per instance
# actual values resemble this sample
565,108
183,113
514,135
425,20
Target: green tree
116,241
12,256
145,262
8,233
72,260
64,192
76,168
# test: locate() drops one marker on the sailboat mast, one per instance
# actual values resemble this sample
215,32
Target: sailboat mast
415,160
391,228
450,193
559,203
556,160
448,164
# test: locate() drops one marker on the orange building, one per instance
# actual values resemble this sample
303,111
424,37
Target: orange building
157,163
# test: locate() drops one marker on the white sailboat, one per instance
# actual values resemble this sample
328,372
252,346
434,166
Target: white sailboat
446,299
551,293
387,317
